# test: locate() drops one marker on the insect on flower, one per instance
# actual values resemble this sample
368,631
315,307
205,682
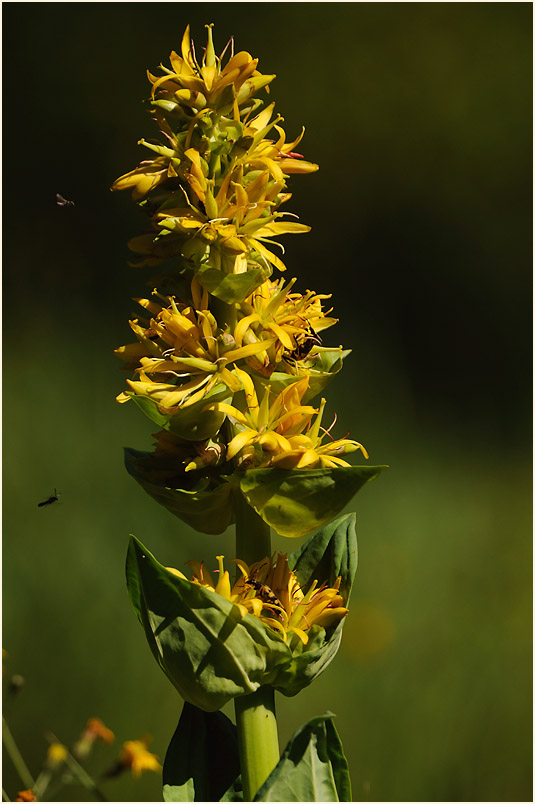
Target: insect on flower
304,347
52,499
264,592
62,202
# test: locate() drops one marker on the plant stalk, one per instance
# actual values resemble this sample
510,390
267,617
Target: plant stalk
258,741
15,756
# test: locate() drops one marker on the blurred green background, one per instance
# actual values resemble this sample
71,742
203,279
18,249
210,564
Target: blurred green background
419,115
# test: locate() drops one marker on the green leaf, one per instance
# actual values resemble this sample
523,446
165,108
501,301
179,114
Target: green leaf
310,660
208,650
312,768
296,501
202,759
206,510
326,365
230,288
191,422
149,407
330,553
320,370
235,791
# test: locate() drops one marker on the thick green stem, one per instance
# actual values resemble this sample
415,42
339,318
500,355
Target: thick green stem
258,740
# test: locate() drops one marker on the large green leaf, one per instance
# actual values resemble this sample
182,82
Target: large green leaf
208,650
207,510
202,759
330,553
230,288
296,501
312,768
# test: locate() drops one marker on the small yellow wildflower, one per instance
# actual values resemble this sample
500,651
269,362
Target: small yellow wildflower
269,590
135,757
56,755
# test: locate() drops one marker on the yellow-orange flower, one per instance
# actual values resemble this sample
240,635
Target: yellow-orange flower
135,757
25,795
94,730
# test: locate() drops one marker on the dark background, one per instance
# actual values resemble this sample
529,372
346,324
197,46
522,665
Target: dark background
419,115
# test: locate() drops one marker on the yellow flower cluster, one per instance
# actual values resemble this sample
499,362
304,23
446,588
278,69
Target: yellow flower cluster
224,335
269,590
217,181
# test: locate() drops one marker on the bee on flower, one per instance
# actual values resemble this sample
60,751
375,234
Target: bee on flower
291,320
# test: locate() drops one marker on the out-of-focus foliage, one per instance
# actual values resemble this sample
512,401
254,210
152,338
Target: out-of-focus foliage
420,117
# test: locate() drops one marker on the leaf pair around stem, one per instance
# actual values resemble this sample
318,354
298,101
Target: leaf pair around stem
202,762
293,502
215,645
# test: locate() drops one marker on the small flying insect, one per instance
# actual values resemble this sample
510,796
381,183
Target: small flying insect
62,202
304,347
52,499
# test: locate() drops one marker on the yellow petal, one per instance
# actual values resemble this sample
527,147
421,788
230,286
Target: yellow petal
176,572
239,442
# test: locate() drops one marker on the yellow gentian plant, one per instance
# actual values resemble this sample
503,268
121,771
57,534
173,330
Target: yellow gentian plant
227,362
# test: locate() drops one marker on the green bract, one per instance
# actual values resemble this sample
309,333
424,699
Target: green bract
209,650
292,501
296,501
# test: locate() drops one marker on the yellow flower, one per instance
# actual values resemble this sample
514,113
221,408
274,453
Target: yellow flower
276,430
237,218
266,425
292,320
56,755
135,757
270,591
181,354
